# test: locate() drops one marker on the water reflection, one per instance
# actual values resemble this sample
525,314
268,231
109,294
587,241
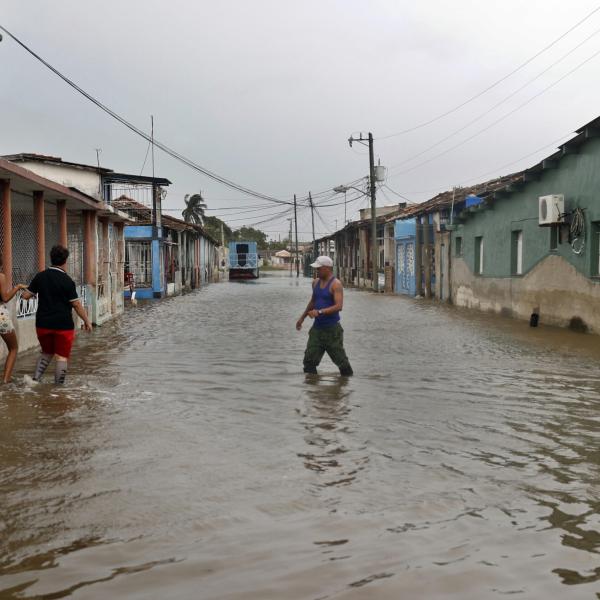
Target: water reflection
332,452
48,438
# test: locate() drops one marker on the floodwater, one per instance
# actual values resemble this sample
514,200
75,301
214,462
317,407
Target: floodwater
189,457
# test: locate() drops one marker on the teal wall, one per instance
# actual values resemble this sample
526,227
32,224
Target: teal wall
577,176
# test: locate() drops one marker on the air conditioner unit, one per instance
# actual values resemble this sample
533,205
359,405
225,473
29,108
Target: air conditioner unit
552,209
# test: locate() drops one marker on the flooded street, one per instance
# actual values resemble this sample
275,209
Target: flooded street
189,457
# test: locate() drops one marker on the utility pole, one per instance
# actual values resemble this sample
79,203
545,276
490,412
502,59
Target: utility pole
374,244
290,240
154,187
296,227
312,214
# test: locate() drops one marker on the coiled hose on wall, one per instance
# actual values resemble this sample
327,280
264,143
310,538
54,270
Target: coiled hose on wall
577,231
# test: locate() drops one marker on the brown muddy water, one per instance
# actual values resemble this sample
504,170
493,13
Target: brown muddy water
188,457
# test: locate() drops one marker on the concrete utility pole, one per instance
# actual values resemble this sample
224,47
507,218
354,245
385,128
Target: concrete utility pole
312,214
290,240
374,244
296,227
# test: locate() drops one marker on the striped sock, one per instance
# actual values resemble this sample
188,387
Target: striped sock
42,365
60,372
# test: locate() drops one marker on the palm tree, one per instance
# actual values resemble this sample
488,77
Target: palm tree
194,209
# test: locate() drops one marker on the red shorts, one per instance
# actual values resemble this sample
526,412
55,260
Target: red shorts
56,341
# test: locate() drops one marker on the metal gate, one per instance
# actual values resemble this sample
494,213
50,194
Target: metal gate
405,267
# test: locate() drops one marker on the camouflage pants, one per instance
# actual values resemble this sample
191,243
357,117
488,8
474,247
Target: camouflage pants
330,340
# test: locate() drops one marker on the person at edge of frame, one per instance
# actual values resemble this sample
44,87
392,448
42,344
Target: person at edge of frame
326,334
7,328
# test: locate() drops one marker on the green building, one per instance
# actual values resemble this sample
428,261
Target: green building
533,247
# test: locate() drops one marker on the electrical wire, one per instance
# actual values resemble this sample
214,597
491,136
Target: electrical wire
146,157
176,155
495,106
494,123
493,85
518,160
327,228
385,185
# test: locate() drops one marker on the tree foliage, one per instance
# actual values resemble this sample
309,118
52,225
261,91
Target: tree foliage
251,235
212,225
194,209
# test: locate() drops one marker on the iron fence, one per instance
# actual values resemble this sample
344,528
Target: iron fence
24,240
26,308
138,263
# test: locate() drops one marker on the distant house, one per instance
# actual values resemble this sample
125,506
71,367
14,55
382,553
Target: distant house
179,256
281,258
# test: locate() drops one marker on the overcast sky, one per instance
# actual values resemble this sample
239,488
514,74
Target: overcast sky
267,92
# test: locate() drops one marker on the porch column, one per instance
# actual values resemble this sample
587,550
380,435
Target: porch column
418,257
198,265
89,244
427,256
61,209
120,255
105,254
40,228
6,230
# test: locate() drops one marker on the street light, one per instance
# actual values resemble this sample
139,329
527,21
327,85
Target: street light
342,189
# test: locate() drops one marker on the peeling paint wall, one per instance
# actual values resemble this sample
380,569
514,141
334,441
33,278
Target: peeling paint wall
554,289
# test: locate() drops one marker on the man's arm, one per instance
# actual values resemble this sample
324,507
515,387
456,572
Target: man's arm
31,290
310,306
78,307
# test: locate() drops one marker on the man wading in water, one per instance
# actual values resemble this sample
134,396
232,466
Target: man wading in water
326,335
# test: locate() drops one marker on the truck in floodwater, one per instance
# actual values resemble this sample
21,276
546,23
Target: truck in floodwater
243,260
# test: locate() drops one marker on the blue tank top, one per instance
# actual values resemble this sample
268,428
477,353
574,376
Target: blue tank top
323,298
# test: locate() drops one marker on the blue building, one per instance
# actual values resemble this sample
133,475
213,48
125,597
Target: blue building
405,234
165,259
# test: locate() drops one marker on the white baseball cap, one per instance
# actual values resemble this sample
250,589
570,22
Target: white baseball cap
322,261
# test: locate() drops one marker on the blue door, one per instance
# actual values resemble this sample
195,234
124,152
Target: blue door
405,266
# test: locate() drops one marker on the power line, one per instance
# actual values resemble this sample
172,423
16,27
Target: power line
498,104
180,157
553,143
442,188
385,185
495,84
508,114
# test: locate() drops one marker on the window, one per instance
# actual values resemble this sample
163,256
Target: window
458,247
517,253
479,255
